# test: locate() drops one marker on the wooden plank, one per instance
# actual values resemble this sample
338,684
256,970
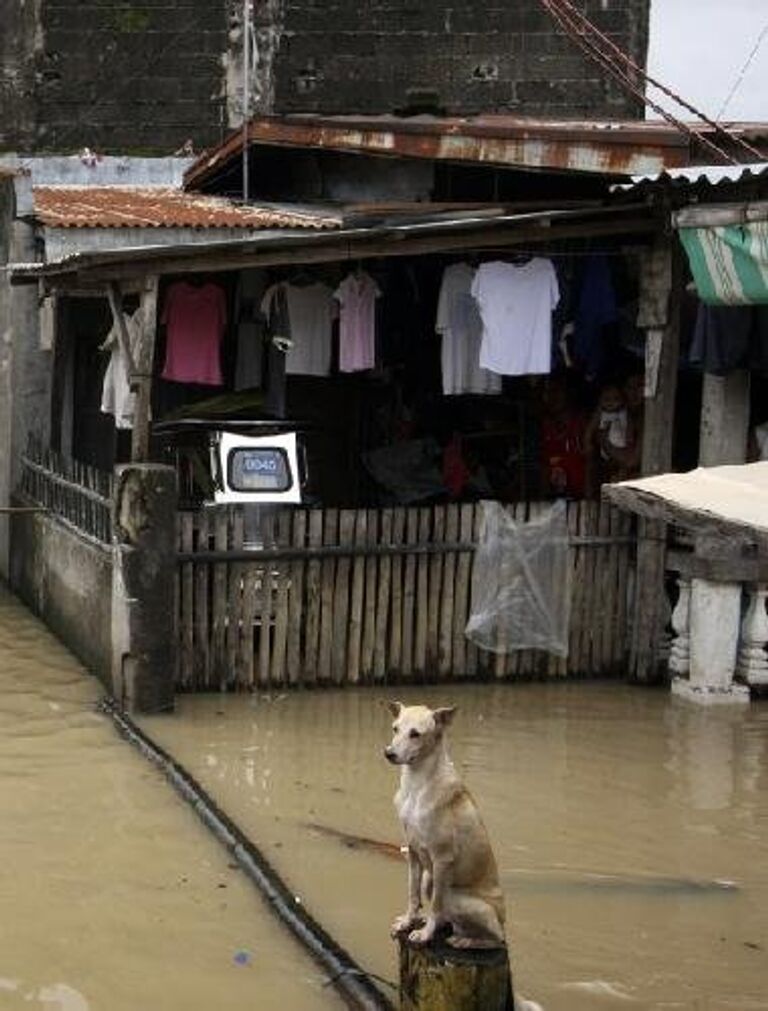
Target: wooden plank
251,576
474,659
265,605
282,576
445,632
235,608
296,611
525,660
605,601
356,602
220,603
395,662
435,592
626,571
422,595
369,611
313,607
409,593
380,665
576,553
328,574
461,594
341,598
202,634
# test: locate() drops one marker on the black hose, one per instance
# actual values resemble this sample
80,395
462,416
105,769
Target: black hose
352,982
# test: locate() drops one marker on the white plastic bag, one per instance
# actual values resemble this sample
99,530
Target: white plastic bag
521,591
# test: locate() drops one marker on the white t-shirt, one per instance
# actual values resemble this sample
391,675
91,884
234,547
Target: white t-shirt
311,311
117,398
458,321
516,303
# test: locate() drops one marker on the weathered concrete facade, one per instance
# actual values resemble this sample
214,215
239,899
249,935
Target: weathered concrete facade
476,56
150,75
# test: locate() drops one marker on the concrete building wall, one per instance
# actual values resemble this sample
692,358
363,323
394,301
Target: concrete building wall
480,55
111,75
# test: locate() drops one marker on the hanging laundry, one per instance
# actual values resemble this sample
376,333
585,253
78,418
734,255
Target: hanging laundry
195,317
516,303
357,296
116,395
458,322
596,309
310,313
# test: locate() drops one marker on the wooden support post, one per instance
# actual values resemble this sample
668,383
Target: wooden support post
441,978
143,374
662,352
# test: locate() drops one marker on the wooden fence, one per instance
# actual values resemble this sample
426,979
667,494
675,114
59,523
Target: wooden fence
74,492
348,596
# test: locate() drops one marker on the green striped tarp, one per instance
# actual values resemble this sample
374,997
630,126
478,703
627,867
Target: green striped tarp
729,263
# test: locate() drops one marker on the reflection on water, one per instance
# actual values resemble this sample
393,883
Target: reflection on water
630,828
112,895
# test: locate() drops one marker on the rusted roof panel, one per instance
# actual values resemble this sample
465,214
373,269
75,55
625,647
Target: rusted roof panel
513,142
159,207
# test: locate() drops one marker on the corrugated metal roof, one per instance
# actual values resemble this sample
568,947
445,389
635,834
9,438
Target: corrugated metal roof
502,140
161,207
698,175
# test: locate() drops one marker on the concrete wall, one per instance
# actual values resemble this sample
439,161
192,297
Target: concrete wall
112,75
67,580
479,55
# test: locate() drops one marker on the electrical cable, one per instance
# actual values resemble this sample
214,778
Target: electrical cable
602,50
592,50
740,78
629,62
353,983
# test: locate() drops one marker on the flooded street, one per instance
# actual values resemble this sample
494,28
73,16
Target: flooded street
630,828
113,896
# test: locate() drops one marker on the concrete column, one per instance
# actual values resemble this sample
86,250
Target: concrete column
143,612
716,607
715,618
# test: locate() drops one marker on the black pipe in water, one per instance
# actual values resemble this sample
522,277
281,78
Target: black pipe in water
352,982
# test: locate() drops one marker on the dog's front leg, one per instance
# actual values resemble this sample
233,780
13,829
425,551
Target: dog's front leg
411,917
441,873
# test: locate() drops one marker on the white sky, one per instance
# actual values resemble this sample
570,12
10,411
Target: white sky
698,48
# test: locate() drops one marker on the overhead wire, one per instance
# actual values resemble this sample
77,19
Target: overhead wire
602,50
742,73
645,76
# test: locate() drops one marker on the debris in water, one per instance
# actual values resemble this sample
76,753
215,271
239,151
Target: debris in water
242,958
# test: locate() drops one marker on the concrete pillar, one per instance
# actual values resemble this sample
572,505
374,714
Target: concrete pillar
143,611
715,618
716,607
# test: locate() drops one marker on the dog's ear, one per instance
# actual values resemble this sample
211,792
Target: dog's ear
444,715
395,707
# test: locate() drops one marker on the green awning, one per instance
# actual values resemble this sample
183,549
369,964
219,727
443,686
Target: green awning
729,263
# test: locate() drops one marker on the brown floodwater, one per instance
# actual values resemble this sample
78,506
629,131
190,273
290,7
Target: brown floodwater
113,897
631,828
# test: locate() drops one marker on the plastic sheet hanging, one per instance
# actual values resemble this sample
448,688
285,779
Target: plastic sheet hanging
521,583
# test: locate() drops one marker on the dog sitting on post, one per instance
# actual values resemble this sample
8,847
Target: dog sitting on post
450,861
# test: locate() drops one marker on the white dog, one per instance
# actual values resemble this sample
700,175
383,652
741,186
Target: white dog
449,856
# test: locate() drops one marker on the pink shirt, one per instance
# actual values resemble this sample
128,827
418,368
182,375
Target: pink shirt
357,296
195,319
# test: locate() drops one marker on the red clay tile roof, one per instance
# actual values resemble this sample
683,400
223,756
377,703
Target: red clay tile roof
157,207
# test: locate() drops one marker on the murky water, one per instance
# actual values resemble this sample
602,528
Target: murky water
631,828
113,897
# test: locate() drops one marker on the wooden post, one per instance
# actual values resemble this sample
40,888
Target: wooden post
661,292
441,978
143,375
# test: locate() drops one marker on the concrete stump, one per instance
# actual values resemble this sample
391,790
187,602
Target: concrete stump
441,978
